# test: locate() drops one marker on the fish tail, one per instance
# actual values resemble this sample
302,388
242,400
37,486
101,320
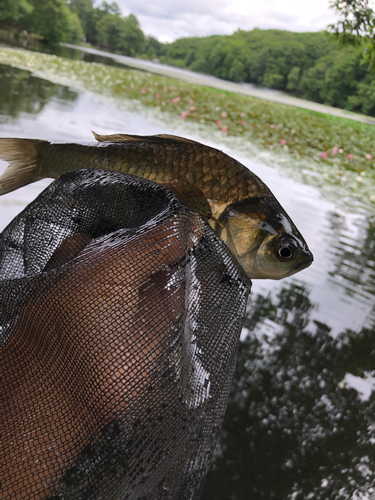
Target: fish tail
22,156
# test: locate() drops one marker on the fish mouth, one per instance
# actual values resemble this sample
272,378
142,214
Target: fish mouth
297,268
305,264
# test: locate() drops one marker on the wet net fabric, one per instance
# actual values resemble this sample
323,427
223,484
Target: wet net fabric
119,324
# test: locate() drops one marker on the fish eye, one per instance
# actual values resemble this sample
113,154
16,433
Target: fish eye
286,251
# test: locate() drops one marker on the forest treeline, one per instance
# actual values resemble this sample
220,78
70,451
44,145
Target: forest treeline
308,65
312,66
74,21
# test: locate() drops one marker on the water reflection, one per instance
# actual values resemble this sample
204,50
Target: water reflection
23,93
353,249
70,53
293,426
63,51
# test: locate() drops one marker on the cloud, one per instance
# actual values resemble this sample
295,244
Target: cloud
170,9
185,26
168,20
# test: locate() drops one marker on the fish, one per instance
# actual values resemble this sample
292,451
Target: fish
238,205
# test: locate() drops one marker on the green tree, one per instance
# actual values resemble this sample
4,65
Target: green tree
92,25
154,48
83,9
95,16
75,32
12,11
134,36
110,8
258,66
364,100
121,34
237,71
356,26
273,80
312,82
110,31
341,79
53,20
293,78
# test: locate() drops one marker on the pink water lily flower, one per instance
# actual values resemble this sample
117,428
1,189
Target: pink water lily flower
191,101
335,150
218,108
243,122
219,122
143,91
350,156
223,114
184,114
242,114
283,141
368,157
324,155
192,108
293,131
280,125
272,125
224,129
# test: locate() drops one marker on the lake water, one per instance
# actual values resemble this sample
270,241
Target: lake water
301,420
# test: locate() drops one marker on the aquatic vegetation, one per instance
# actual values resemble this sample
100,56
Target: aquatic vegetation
330,150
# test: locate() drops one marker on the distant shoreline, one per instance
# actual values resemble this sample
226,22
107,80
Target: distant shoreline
212,81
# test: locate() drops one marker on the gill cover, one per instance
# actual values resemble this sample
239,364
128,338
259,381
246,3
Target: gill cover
263,238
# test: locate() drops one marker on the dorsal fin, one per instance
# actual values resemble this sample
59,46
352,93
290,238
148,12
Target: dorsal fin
143,138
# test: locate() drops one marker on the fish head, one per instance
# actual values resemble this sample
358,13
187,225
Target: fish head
263,238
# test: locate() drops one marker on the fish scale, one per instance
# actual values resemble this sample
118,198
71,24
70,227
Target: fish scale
233,199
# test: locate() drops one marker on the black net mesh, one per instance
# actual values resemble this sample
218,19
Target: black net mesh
119,324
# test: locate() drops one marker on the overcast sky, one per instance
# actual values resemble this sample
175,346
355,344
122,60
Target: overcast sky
171,19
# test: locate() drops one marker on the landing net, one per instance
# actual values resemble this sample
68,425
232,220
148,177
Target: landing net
119,324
